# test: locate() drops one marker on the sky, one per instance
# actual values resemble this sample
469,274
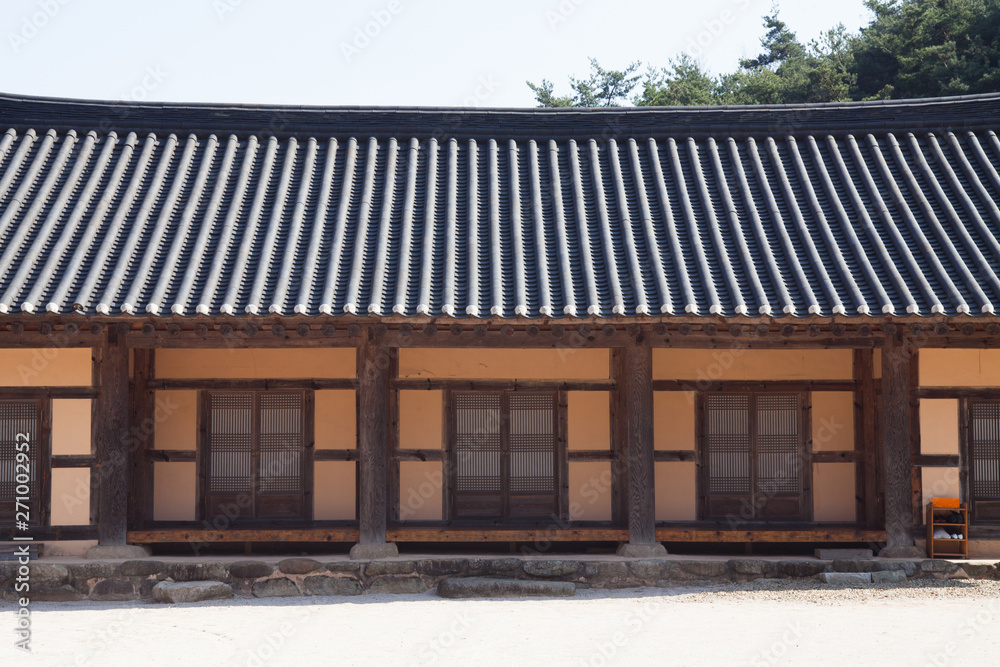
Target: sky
369,52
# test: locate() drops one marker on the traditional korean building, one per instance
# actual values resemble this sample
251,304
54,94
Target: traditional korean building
379,326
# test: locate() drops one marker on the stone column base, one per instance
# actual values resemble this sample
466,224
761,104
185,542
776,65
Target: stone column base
902,552
627,550
118,552
374,551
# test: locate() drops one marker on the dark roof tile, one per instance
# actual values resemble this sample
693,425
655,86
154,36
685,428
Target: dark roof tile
854,209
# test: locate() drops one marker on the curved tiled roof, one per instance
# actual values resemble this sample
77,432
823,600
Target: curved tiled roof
840,209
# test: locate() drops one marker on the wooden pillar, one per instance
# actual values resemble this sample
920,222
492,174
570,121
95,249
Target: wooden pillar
916,472
895,450
619,440
636,384
112,439
866,471
141,440
375,363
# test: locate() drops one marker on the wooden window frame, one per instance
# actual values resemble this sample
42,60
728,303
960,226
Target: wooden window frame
966,467
39,507
560,455
308,452
805,451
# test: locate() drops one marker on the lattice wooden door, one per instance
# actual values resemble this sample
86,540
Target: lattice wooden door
984,461
21,478
753,452
255,463
504,455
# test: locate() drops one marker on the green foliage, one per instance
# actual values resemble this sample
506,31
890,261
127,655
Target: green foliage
546,98
911,48
927,48
683,83
780,44
603,88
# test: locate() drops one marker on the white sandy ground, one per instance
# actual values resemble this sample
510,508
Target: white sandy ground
786,624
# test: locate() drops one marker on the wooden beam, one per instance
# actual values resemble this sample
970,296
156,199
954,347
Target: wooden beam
836,457
984,532
638,393
472,534
664,456
165,535
419,454
73,460
572,339
410,384
237,340
817,535
112,441
936,461
895,448
549,534
762,386
771,342
255,384
979,340
336,455
172,456
58,339
52,533
590,455
49,392
374,365
982,393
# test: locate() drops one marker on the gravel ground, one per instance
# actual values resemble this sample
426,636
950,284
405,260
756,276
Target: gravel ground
760,623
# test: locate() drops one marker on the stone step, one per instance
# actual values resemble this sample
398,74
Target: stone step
486,587
12,550
889,577
846,578
844,554
191,591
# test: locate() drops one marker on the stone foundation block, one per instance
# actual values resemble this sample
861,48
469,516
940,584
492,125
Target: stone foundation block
191,591
141,568
56,594
250,569
299,565
113,590
888,577
118,552
398,585
322,585
846,578
485,587
550,568
275,588
374,551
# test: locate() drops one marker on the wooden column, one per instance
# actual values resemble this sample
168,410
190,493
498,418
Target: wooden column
141,440
916,472
375,362
637,392
866,471
895,450
619,440
112,439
